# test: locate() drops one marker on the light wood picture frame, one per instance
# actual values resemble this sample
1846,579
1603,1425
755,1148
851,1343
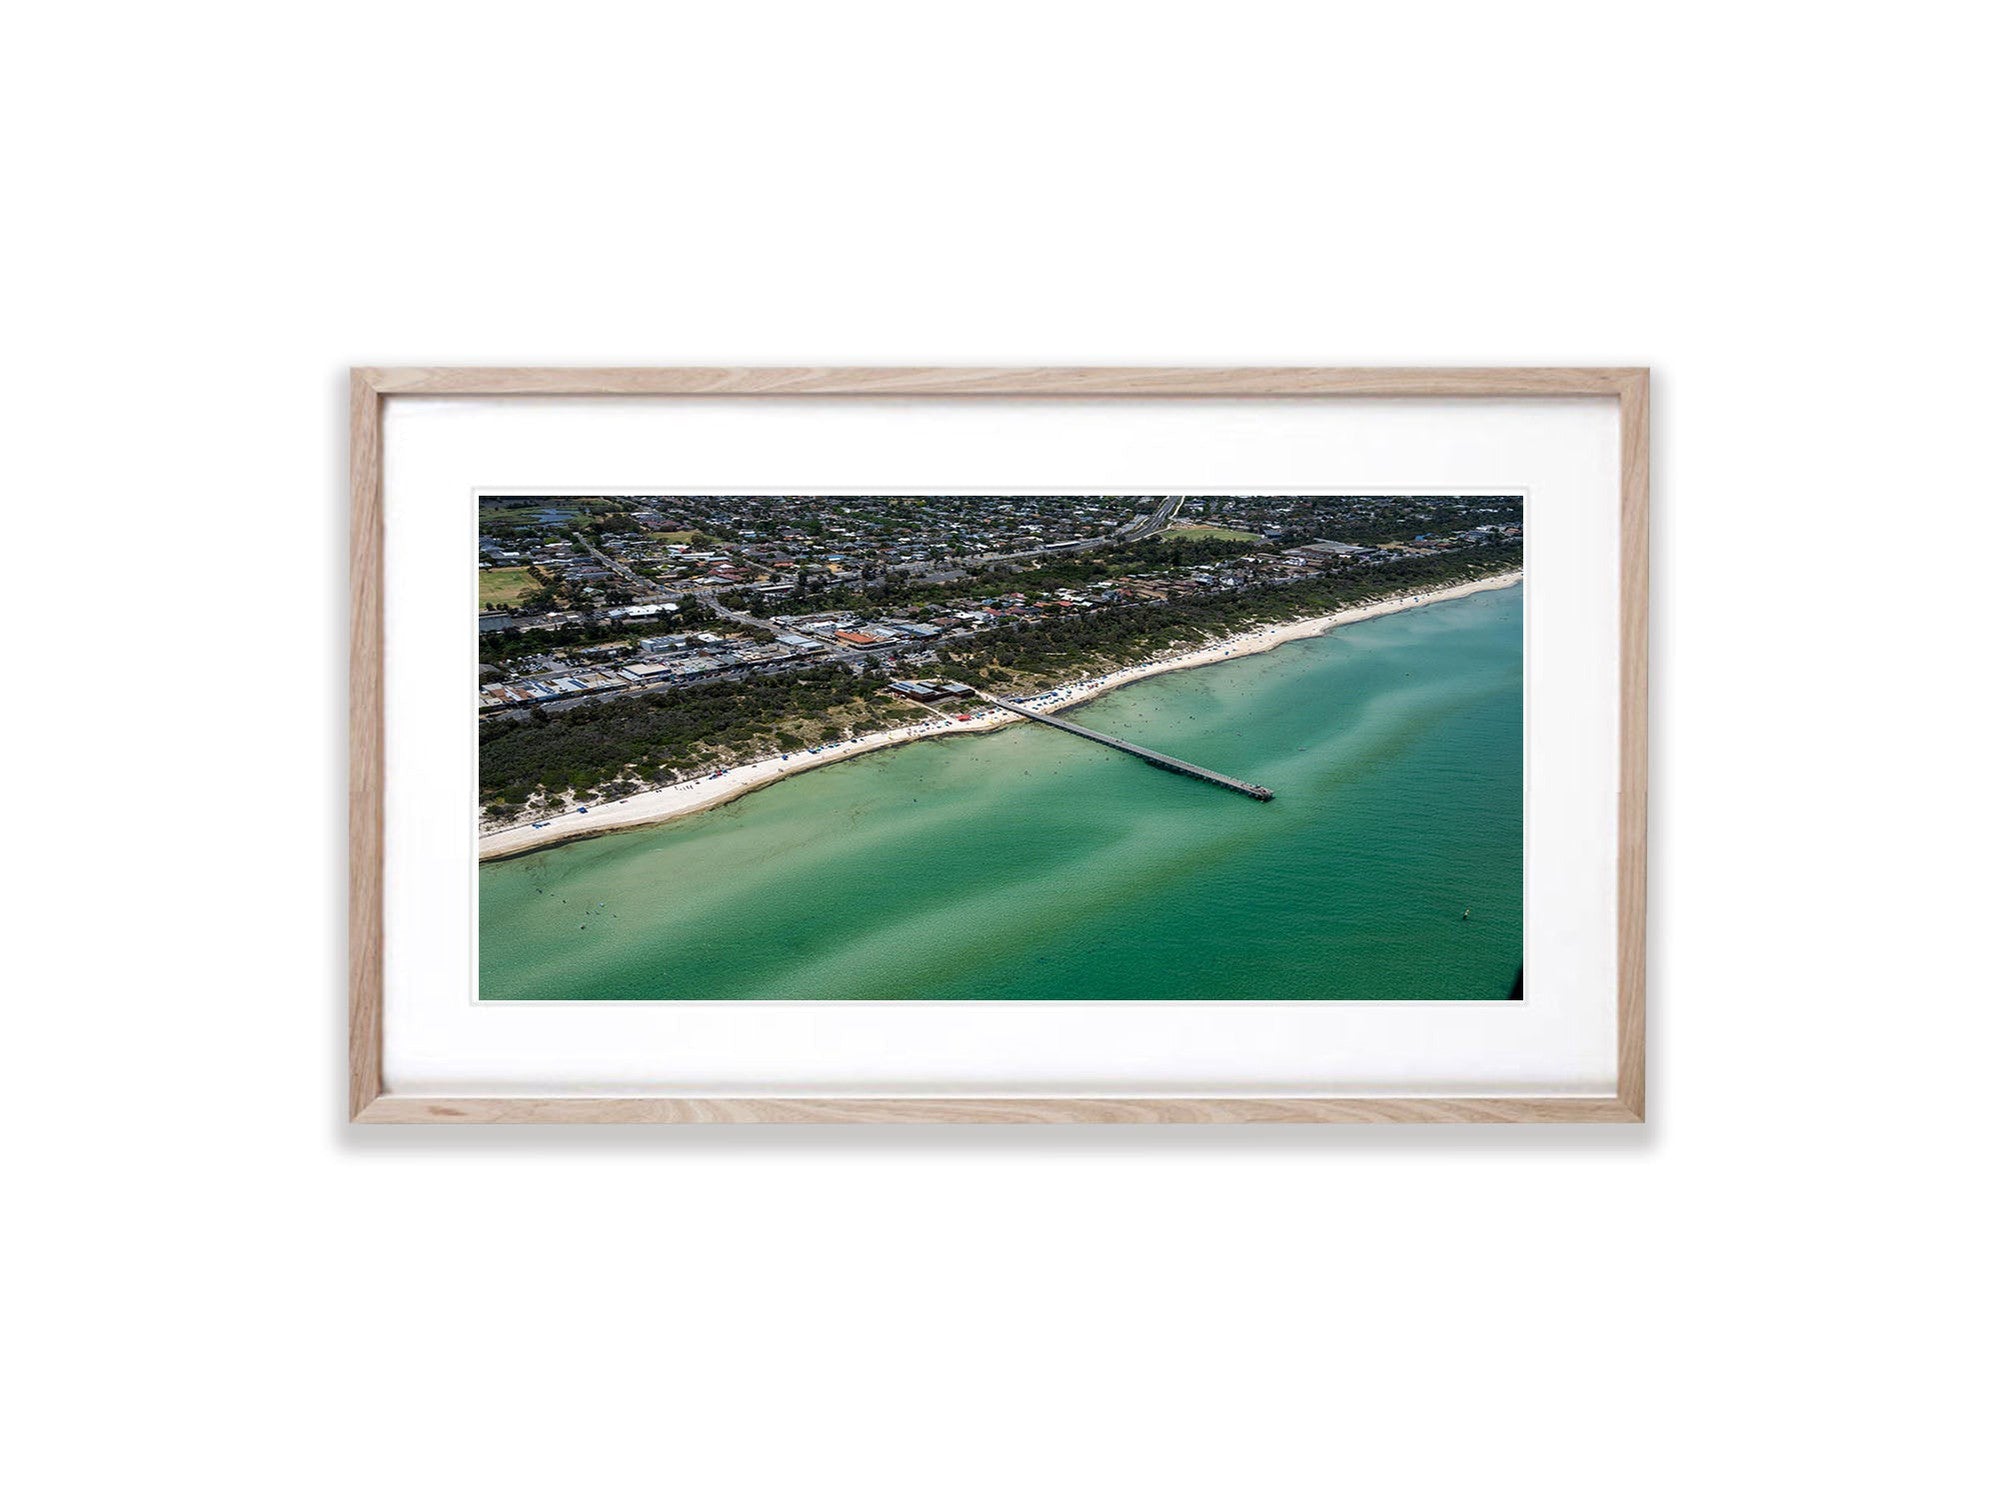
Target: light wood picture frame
372,387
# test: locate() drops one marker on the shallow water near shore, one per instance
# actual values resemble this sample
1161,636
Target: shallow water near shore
1034,865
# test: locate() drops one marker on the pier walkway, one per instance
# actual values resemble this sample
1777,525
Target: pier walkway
1167,762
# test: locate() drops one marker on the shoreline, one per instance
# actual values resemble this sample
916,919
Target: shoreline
652,808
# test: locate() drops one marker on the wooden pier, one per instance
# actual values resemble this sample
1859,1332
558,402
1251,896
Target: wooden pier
1165,762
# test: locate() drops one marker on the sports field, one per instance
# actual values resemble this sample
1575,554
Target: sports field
1213,533
501,586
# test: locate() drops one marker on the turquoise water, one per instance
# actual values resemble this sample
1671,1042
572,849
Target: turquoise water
1033,865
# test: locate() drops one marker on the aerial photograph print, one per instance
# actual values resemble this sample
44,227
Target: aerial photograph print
1062,747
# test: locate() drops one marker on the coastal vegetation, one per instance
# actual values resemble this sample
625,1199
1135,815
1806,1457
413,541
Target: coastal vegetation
623,743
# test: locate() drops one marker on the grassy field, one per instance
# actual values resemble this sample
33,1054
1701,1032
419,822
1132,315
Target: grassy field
1212,533
503,585
676,538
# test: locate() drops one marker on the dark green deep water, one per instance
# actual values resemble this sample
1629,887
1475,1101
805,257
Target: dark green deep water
1030,864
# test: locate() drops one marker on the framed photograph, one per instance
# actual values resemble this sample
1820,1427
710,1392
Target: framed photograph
967,745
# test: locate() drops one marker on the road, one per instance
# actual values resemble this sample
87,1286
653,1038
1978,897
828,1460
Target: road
834,650
1132,530
709,596
640,586
1158,520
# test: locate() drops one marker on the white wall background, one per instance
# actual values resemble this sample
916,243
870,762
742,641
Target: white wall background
1782,1284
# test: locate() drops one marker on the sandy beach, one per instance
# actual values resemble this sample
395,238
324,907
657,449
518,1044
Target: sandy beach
649,807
